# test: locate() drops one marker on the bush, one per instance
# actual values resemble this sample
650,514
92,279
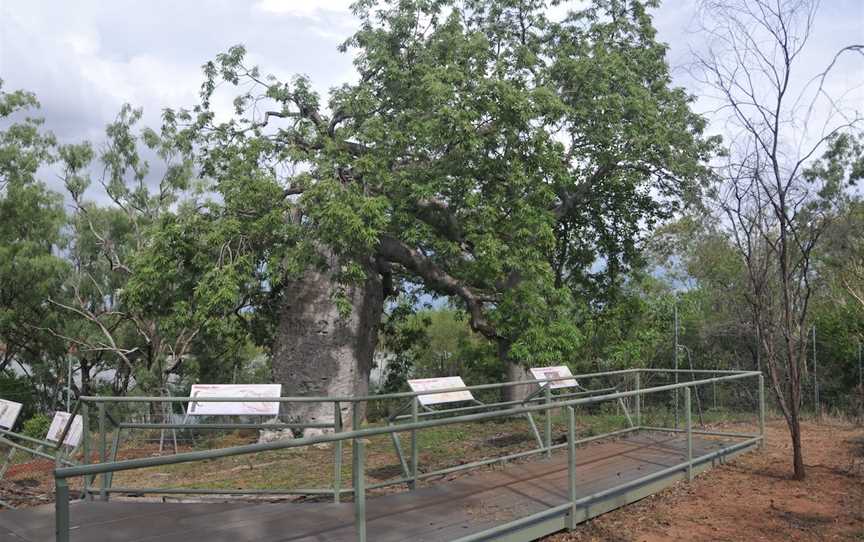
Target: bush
37,426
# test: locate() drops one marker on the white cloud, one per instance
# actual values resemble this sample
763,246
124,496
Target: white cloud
82,43
312,9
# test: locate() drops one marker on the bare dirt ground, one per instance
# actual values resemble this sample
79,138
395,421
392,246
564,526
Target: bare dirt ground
753,497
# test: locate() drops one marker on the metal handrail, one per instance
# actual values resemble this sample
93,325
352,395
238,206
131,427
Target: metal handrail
129,464
356,398
357,435
387,396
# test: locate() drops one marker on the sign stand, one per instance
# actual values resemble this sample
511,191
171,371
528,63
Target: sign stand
264,409
167,413
559,377
9,411
63,426
426,401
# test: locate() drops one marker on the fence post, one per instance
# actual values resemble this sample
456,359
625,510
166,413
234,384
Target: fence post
637,385
61,510
816,406
360,489
415,405
688,418
762,411
675,357
85,446
103,451
571,466
337,451
548,393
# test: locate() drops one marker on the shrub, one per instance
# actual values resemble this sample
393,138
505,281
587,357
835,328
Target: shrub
37,426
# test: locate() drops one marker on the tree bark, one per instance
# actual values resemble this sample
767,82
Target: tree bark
319,351
514,372
797,450
517,373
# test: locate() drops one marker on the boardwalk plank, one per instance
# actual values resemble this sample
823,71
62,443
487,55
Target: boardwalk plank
443,511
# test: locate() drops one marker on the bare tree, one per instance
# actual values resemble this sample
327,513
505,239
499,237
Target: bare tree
779,121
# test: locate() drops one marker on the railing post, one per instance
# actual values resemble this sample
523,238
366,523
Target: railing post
85,446
115,448
61,510
355,426
5,467
547,391
637,385
337,451
103,451
762,411
360,489
415,405
688,418
571,466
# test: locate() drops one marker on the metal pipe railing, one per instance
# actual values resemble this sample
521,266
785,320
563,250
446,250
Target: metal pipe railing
130,464
357,435
360,398
486,406
102,401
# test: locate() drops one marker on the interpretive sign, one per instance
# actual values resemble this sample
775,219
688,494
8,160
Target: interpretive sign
235,408
549,373
58,424
442,383
9,411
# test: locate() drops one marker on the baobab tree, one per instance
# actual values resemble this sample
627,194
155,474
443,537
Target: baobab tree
486,154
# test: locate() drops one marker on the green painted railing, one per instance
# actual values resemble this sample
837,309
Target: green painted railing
107,467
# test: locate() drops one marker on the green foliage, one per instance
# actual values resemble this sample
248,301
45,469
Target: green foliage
435,342
31,219
492,157
37,426
839,334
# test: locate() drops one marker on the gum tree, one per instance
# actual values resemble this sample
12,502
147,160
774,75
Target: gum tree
105,327
31,222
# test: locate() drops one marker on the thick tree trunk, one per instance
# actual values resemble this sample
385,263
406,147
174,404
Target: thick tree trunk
517,373
317,351
514,372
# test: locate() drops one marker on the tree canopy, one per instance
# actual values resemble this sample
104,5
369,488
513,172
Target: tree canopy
487,154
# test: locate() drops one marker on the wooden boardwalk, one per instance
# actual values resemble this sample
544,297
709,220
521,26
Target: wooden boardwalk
445,511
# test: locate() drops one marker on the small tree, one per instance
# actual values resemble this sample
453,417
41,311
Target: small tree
776,203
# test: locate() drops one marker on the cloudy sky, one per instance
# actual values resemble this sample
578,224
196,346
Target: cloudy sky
84,58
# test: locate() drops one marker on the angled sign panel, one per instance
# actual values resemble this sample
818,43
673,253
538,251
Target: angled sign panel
9,411
549,373
236,408
442,383
58,424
